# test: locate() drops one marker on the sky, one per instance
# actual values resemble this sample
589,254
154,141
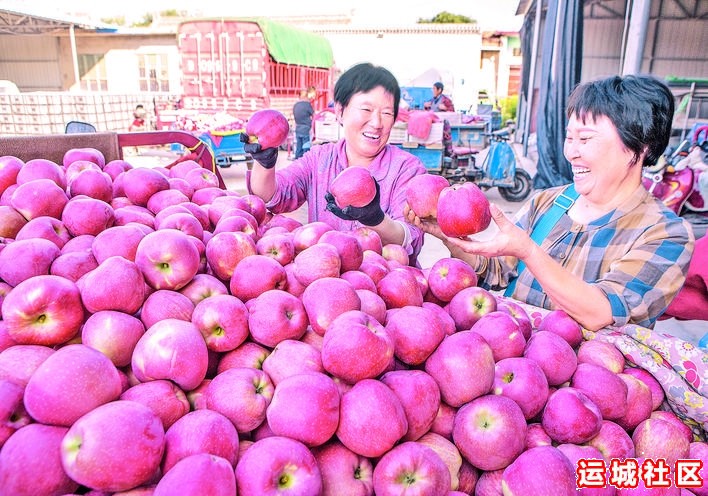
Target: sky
491,15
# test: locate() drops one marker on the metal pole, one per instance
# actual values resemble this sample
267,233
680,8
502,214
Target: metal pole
74,56
532,75
636,37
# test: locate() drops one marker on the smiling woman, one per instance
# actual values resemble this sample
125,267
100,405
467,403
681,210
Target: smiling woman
602,249
366,101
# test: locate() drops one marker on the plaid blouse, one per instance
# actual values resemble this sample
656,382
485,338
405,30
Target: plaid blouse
638,255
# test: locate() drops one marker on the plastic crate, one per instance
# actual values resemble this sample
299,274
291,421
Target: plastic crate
471,135
226,148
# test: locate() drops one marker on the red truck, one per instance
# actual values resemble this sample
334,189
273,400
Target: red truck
240,65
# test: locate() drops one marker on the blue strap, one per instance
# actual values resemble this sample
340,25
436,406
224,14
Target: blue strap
561,205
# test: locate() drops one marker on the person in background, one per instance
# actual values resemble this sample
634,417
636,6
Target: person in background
366,100
439,102
138,123
615,254
302,114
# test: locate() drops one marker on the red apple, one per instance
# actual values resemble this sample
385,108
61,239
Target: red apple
463,367
490,431
200,431
422,194
201,473
448,453
162,199
291,357
30,462
203,286
11,222
274,316
448,276
327,298
225,250
354,186
9,168
115,167
171,349
41,168
343,471
420,397
44,227
517,311
39,197
372,304
561,323
117,240
538,472
355,333
90,182
463,209
277,246
444,420
165,304
411,468
605,388
64,386
20,361
469,305
114,334
85,215
522,380
613,441
141,183
350,251
27,258
368,239
416,333
399,288
13,414
371,418
305,407
536,435
167,258
222,320
571,417
267,127
89,154
254,275
639,406
116,284
114,447
44,310
395,255
248,354
503,333
315,262
161,396
242,395
275,466
133,213
657,392
555,356
658,438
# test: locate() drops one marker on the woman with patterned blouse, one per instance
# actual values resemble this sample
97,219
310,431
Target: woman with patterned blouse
617,255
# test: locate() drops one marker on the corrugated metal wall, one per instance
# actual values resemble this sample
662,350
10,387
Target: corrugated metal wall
31,62
676,39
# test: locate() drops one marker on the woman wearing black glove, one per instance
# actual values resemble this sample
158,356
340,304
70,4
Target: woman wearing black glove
366,101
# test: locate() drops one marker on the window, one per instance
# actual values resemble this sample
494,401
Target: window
152,72
92,71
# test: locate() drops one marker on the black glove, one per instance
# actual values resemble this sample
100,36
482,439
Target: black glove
267,158
369,215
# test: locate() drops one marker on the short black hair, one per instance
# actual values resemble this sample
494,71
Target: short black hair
439,85
364,77
641,107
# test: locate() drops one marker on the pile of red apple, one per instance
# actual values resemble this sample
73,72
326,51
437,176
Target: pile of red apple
163,336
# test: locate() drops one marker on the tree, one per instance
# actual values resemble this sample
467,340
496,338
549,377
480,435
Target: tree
448,18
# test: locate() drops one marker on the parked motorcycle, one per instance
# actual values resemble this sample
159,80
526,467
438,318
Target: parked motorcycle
680,176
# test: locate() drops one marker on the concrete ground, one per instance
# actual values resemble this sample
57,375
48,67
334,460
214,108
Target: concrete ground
235,179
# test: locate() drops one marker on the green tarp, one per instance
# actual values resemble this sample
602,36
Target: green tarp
289,45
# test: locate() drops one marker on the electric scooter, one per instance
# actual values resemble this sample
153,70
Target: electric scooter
501,167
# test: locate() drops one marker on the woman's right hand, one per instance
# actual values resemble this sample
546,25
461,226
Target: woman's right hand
428,225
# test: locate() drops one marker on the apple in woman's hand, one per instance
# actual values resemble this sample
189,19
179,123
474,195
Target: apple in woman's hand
354,187
463,209
268,127
423,192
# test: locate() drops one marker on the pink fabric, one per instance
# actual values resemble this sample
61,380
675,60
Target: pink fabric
420,122
307,179
691,303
